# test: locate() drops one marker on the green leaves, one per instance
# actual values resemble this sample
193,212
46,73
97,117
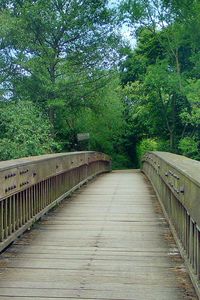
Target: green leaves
52,41
163,96
189,146
150,144
24,131
134,10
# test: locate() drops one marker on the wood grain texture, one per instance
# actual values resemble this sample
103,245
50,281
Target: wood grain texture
109,241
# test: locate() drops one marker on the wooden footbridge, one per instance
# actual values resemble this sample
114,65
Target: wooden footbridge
110,239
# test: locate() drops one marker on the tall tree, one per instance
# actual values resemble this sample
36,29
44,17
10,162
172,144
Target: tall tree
164,62
56,44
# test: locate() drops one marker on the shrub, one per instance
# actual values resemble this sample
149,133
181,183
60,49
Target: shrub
189,146
148,144
24,131
120,161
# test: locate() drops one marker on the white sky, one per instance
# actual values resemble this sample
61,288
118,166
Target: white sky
128,35
124,30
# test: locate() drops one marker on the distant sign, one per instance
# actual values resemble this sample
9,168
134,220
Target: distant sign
83,136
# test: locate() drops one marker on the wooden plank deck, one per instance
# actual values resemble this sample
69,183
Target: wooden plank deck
109,241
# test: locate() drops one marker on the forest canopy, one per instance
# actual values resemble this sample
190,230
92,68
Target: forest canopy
65,68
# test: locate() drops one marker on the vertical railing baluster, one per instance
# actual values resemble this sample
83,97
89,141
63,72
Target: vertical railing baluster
28,194
9,215
198,253
6,218
1,220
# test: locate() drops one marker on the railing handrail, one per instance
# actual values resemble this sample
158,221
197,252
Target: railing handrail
176,180
33,169
181,184
185,165
31,186
7,164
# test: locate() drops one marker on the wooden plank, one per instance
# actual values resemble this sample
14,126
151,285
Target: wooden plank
108,243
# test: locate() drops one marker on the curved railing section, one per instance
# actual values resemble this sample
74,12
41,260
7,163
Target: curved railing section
29,187
176,179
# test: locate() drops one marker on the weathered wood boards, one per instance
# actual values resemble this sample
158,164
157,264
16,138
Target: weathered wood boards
29,187
108,242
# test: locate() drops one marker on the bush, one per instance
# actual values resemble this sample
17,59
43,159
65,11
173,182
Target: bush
189,146
150,145
24,131
120,161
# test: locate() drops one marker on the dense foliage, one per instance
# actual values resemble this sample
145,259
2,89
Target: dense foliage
64,69
160,77
61,56
24,131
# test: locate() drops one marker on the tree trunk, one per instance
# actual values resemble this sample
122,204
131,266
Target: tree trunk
171,139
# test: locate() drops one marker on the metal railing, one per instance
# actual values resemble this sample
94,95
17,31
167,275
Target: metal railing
32,186
176,179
